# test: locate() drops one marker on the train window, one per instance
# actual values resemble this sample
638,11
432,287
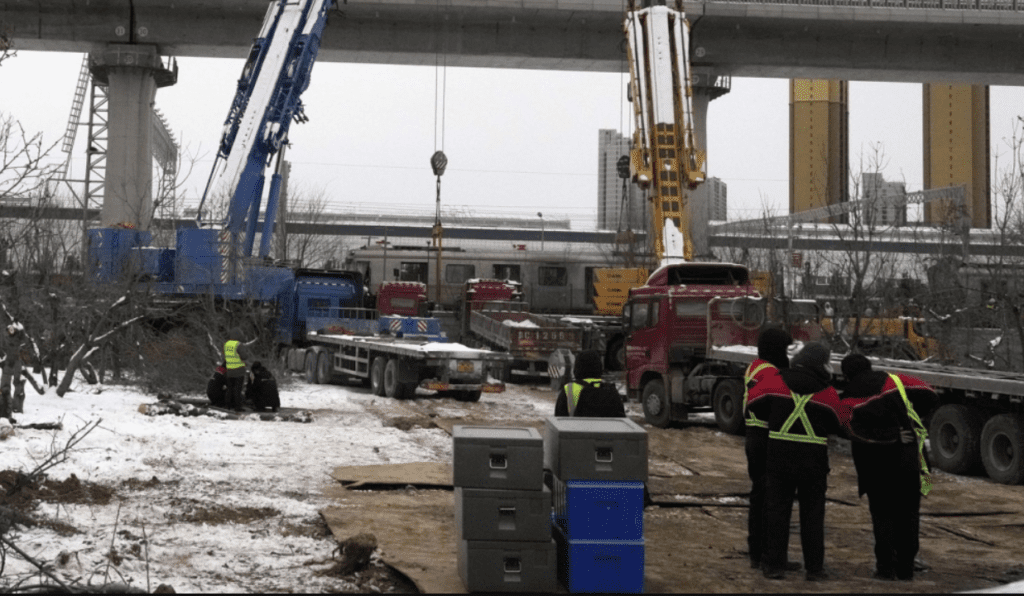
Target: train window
507,272
552,276
411,271
458,273
691,308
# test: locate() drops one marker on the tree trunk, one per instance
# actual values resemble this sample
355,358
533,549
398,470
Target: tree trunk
69,372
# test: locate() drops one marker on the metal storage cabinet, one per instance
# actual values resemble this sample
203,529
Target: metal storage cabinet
607,449
498,457
503,515
507,566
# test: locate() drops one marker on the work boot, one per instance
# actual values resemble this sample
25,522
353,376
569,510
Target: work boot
821,575
773,572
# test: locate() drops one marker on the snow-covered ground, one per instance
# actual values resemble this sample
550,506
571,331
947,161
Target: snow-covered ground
171,473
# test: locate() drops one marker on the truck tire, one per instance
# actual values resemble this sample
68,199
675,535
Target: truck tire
323,368
955,434
468,396
657,410
393,386
311,367
377,376
728,405
1002,449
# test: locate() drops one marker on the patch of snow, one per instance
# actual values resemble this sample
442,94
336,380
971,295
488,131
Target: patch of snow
202,463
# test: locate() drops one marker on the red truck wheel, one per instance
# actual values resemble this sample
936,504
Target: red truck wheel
657,411
728,404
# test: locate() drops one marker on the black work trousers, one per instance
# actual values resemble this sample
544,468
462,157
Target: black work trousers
234,393
895,516
782,486
756,446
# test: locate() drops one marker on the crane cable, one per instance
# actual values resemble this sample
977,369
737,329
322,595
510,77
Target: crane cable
439,161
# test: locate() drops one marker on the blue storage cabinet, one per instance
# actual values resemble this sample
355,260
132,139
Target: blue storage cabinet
588,510
615,566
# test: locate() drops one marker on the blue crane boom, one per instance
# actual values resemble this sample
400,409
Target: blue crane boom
217,260
267,100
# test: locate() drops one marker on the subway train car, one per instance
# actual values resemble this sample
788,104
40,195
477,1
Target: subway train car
552,281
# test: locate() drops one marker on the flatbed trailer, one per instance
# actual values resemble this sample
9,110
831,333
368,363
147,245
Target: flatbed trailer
529,339
979,424
395,366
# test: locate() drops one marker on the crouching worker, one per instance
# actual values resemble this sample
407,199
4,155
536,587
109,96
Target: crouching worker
261,389
588,395
217,387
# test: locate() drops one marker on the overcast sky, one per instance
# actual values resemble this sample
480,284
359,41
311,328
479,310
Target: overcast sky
517,142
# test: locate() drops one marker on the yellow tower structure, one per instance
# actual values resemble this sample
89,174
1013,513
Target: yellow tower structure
956,149
818,143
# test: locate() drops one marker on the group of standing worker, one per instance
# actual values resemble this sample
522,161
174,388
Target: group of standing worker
791,409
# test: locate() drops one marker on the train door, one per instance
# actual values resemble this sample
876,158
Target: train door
455,276
552,292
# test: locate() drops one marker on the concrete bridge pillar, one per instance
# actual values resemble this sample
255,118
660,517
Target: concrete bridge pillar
707,85
132,74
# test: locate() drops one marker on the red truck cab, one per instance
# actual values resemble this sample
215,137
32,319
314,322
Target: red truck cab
673,322
402,298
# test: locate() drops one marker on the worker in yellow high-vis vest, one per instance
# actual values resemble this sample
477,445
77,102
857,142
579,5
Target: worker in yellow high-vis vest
802,409
235,355
888,435
587,395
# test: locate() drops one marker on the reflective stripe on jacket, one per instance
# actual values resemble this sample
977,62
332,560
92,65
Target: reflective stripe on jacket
799,413
750,377
920,432
572,392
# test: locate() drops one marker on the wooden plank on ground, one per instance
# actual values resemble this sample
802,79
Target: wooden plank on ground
415,531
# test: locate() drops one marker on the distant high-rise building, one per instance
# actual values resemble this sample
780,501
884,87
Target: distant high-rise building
616,211
718,206
880,209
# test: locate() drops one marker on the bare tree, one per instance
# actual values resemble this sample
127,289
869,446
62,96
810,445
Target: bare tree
6,44
310,249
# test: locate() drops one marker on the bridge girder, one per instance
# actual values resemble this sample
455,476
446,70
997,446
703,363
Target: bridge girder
738,39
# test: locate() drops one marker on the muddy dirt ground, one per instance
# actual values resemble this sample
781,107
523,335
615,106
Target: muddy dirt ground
696,531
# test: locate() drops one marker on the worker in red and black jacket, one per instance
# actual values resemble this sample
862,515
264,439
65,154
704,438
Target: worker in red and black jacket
885,423
772,357
801,409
